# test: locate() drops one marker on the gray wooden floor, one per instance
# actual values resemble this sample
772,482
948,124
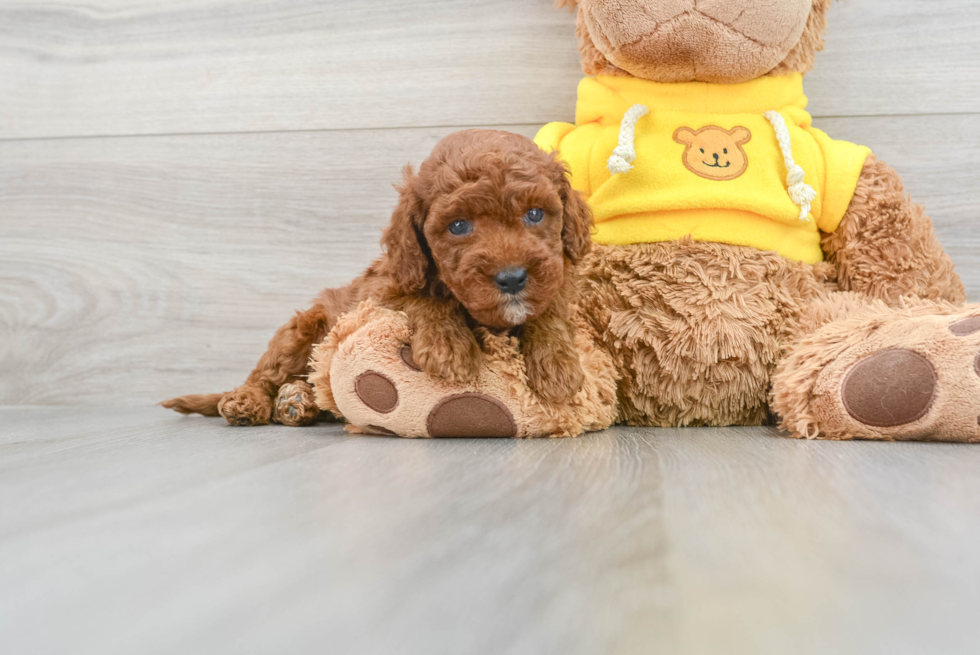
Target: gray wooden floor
135,531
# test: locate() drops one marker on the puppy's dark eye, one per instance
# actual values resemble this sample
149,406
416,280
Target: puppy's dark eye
534,216
726,151
461,228
702,151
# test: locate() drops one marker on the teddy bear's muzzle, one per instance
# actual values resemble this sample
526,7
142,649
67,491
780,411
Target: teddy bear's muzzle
720,41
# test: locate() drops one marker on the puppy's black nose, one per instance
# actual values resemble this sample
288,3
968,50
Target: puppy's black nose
511,280
716,156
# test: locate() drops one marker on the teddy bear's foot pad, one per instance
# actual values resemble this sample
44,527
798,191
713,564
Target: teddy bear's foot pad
471,415
917,377
891,388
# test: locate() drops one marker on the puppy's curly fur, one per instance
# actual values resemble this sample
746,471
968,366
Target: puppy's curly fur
461,220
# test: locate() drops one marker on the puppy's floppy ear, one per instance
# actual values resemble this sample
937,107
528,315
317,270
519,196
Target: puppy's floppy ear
576,229
408,258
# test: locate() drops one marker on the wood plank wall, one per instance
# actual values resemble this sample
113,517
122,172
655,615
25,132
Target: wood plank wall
177,177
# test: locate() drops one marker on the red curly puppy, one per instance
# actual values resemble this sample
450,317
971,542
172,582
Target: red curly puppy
487,233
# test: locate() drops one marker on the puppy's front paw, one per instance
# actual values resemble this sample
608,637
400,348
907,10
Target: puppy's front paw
246,406
454,356
295,405
554,376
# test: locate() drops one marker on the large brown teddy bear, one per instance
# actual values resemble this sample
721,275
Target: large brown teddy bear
822,298
747,266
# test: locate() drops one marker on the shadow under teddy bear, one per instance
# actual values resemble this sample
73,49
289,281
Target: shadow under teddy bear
792,276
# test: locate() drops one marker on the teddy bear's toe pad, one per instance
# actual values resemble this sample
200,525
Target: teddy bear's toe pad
377,391
379,431
966,327
471,415
405,352
891,388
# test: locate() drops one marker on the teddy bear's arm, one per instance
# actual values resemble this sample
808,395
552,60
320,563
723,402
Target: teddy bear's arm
885,246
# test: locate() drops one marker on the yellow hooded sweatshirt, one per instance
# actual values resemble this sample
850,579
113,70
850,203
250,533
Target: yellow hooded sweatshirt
658,162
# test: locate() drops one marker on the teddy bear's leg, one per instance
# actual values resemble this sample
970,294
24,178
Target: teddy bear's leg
878,372
885,246
366,371
295,405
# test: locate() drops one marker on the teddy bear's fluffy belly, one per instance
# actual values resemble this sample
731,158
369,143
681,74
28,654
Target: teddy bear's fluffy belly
696,329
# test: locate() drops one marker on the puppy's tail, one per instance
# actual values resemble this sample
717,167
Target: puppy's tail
205,404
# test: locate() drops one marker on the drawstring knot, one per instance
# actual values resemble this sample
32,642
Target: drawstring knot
625,153
801,193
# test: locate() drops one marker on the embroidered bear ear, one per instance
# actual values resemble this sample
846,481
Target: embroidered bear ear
742,135
685,136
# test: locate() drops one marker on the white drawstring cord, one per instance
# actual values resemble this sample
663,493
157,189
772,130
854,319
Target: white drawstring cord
801,193
625,153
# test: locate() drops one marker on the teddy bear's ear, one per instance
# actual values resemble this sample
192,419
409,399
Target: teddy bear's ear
684,135
742,135
571,4
801,58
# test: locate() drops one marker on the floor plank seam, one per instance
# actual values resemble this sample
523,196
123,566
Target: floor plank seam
404,128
